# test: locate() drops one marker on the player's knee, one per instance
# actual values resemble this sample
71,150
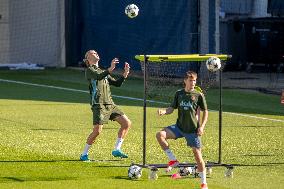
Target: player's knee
97,130
159,135
128,123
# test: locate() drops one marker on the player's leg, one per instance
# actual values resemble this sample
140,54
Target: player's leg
97,129
99,118
200,166
162,136
194,141
125,124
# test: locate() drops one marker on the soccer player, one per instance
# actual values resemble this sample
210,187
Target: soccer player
188,101
102,105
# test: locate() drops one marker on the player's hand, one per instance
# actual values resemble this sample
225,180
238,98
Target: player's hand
161,112
200,131
113,64
126,70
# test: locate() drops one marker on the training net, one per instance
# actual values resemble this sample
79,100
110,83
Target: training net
163,76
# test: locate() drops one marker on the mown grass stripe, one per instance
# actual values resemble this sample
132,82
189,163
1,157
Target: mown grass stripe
125,97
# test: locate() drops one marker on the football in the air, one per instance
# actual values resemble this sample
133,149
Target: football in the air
134,172
213,64
131,10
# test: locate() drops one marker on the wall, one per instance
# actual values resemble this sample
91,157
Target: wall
4,31
33,32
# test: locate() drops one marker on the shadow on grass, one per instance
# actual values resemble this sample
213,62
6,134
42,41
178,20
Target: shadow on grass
25,179
258,155
258,165
45,129
257,126
126,178
68,160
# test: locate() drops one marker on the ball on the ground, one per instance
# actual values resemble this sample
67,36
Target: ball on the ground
134,172
131,10
184,171
213,64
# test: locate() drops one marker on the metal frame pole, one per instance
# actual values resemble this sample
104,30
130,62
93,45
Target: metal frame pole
220,117
144,109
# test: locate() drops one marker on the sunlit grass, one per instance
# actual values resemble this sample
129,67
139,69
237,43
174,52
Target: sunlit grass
43,132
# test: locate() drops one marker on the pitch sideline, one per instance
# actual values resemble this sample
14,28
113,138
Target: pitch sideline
125,97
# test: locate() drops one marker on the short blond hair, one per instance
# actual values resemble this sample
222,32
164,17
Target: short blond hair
85,60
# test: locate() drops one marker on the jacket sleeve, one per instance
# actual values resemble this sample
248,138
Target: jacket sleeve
115,82
92,73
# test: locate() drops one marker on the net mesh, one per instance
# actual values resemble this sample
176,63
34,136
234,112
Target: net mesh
163,79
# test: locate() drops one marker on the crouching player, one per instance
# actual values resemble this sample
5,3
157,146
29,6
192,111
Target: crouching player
188,101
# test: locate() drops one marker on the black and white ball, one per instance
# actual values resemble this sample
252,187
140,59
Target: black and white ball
213,64
134,172
131,10
184,171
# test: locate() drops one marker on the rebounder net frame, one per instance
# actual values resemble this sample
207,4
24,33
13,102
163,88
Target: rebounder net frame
144,60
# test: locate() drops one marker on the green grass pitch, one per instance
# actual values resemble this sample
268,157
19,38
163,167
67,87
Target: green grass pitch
43,131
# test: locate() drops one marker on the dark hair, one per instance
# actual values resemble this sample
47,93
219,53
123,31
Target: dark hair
190,74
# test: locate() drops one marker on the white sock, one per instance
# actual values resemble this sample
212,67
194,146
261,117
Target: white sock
118,143
170,154
86,149
203,177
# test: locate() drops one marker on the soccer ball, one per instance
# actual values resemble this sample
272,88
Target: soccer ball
213,64
184,171
131,10
134,172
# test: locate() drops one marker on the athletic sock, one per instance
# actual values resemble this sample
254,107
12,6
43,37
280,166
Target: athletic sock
118,143
170,154
86,149
203,177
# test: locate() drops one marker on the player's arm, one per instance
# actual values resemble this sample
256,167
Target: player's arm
126,70
200,130
93,73
115,82
197,115
113,64
119,81
169,110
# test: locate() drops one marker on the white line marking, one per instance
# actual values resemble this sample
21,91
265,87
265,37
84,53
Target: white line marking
125,97
76,90
245,115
